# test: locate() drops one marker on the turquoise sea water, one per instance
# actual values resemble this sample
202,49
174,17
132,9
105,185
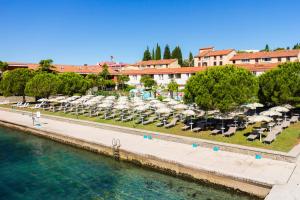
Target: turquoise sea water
36,168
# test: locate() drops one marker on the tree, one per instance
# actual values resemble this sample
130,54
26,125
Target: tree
167,52
222,87
104,79
46,66
148,81
42,85
280,85
92,78
3,66
157,52
173,87
296,46
72,83
153,54
147,55
267,48
279,49
14,82
177,54
191,59
122,79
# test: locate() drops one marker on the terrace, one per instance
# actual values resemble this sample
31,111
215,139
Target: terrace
271,129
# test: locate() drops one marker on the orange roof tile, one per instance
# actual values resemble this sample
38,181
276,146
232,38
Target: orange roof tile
156,62
82,69
264,54
150,71
215,53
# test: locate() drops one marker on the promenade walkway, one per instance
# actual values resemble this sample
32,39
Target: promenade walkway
267,171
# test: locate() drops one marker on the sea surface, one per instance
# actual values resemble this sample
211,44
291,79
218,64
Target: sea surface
36,168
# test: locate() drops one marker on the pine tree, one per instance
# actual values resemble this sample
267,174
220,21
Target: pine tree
153,54
167,52
191,59
147,55
157,52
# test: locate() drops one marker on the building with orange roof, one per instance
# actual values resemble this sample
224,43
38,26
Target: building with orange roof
209,57
156,64
265,57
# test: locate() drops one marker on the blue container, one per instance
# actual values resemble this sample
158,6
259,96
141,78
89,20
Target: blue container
145,136
149,137
194,145
216,148
258,156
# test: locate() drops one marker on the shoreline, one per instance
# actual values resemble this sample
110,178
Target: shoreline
249,187
290,156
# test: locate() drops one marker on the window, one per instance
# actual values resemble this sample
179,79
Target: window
177,76
187,75
215,63
215,57
199,64
245,60
171,76
160,76
288,58
233,61
167,66
266,59
256,60
206,57
279,59
134,77
221,57
221,63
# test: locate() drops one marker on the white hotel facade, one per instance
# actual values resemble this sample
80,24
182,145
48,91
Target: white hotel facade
163,71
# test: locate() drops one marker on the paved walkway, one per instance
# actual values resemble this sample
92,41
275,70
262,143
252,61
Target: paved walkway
264,170
288,191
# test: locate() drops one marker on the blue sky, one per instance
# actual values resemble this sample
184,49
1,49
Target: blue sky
88,31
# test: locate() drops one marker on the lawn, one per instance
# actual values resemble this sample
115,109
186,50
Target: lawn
284,142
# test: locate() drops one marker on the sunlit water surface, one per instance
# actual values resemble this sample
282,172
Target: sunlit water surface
36,168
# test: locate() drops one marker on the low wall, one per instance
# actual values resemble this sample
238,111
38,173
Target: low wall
165,166
15,99
275,155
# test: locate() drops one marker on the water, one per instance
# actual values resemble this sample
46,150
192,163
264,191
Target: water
36,168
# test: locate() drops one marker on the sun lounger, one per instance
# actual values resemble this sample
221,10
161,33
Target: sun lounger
197,129
294,119
270,137
285,124
17,104
215,132
186,127
252,137
127,119
149,121
25,105
230,131
160,124
172,123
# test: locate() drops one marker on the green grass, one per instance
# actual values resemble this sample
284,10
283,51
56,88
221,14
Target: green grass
284,142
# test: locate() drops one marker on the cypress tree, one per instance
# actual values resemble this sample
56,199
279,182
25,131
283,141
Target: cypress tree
180,60
177,54
191,59
147,55
167,52
157,52
267,48
153,54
